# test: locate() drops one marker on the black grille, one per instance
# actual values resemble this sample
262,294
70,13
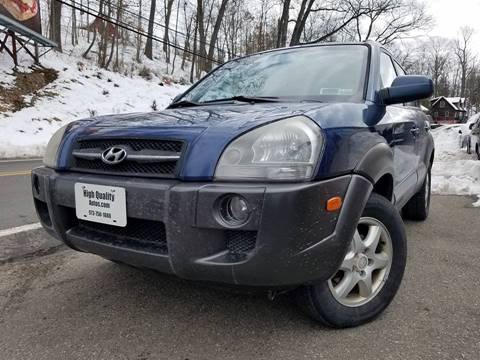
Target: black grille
166,168
240,242
138,234
134,144
129,167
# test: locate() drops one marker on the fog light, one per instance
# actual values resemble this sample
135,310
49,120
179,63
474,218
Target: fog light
234,210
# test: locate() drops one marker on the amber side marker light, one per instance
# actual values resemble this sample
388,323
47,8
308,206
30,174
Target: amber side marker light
334,203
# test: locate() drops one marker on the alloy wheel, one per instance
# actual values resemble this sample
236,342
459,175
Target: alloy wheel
366,265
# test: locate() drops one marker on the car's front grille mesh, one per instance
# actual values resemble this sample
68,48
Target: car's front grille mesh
134,144
128,168
150,167
240,242
138,234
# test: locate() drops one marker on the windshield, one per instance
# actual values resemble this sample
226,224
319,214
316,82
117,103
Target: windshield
321,73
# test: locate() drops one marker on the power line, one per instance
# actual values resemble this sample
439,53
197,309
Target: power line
74,4
137,15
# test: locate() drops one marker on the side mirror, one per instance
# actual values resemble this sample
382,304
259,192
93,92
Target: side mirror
470,127
405,89
460,132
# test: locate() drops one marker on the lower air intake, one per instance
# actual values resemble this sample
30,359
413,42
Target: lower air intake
240,242
138,234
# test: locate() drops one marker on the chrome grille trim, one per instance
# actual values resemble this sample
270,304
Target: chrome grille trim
131,155
160,158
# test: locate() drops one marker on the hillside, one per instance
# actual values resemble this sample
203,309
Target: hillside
36,102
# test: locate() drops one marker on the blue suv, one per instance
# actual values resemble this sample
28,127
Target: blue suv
285,170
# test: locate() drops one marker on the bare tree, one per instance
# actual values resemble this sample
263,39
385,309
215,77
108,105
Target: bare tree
303,13
438,55
55,29
95,27
397,19
139,29
464,56
283,24
151,22
74,35
202,36
214,36
168,12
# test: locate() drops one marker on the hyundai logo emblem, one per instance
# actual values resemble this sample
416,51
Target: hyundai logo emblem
114,155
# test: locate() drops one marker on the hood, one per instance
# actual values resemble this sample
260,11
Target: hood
207,130
234,116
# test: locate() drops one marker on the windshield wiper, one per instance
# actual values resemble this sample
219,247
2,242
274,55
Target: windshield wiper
242,98
183,103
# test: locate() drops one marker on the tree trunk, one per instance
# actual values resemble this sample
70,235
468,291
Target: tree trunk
201,35
74,37
55,30
175,39
283,24
151,20
216,29
194,51
139,28
100,13
114,36
166,39
187,41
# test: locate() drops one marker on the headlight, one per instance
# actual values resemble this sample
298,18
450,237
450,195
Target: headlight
51,152
284,150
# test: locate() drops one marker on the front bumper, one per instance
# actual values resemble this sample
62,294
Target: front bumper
289,240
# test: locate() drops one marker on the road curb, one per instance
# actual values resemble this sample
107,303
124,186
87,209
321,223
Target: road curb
27,244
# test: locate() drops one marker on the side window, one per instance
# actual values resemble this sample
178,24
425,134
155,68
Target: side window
387,70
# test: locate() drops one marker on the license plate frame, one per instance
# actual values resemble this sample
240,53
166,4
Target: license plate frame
101,204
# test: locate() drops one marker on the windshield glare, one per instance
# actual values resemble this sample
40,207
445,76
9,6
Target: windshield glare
322,73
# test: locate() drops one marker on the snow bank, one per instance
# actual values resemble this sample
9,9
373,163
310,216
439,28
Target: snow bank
81,90
454,171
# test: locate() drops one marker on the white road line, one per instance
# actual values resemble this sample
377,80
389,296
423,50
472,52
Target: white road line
20,229
19,160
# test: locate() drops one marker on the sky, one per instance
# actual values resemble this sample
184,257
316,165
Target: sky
451,15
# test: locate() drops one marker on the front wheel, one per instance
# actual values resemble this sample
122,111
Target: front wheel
369,275
477,150
418,207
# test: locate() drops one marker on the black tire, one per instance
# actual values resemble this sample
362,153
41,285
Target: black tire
319,302
477,151
418,206
469,147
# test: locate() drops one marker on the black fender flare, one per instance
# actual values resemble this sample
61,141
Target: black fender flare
377,162
430,151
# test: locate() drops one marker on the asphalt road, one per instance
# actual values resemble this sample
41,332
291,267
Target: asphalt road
16,204
69,305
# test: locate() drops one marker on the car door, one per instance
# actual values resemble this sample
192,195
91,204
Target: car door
420,133
402,136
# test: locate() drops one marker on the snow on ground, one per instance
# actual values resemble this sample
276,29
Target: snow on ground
81,90
454,171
